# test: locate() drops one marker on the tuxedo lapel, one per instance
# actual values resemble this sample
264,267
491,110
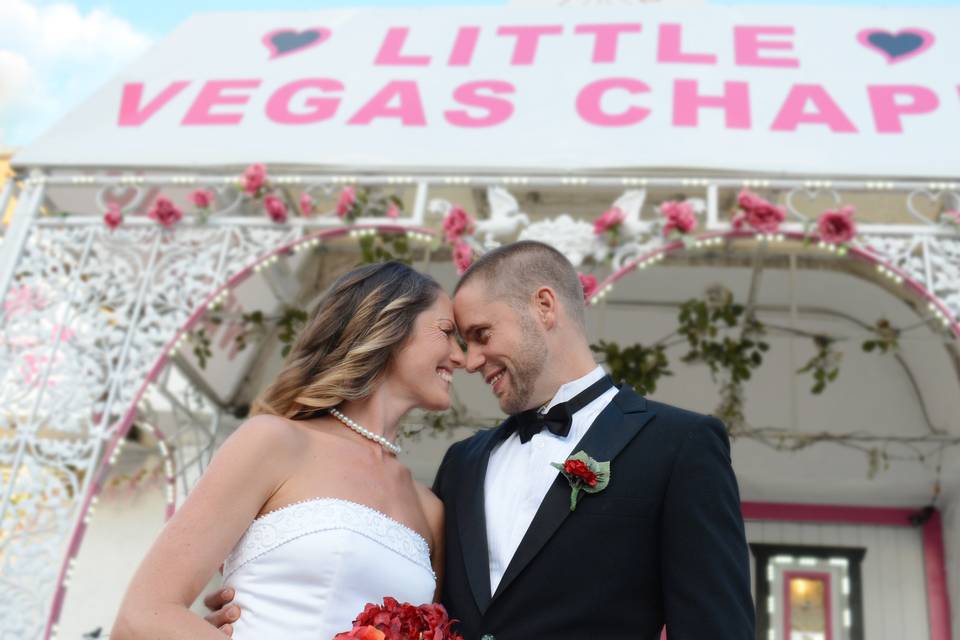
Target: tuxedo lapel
471,517
619,422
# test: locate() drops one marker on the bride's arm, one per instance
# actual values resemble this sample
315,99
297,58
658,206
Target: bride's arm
433,509
247,469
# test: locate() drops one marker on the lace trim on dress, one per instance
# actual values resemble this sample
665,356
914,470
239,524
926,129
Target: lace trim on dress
276,528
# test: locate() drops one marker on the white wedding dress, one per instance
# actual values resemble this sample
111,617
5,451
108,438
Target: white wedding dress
305,571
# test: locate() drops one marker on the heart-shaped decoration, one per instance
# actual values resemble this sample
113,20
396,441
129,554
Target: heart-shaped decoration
282,42
899,46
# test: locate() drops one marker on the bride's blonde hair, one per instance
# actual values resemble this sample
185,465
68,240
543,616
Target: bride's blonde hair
359,323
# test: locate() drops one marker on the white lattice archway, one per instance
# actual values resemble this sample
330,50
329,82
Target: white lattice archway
90,315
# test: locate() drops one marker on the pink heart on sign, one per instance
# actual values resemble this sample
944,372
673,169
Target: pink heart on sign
283,42
899,46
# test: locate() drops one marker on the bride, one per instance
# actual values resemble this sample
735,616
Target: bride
306,501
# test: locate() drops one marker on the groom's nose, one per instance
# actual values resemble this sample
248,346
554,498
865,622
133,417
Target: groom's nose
473,359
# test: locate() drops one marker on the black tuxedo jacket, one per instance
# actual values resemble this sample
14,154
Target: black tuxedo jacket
662,544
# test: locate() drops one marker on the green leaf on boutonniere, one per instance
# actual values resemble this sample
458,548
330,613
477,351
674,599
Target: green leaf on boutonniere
584,475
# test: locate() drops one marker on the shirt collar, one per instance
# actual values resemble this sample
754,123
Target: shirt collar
571,389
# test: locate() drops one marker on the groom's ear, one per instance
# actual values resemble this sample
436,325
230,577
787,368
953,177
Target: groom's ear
546,307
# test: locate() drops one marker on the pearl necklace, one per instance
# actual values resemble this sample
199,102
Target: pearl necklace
366,433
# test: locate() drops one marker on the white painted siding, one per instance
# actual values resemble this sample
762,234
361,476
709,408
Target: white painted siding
951,543
894,585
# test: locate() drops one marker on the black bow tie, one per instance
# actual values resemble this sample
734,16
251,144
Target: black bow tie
557,421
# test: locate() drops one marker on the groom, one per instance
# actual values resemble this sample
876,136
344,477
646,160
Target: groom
662,543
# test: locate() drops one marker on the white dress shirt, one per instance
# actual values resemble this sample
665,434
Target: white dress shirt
519,475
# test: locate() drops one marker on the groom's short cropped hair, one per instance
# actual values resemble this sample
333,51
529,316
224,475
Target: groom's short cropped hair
515,271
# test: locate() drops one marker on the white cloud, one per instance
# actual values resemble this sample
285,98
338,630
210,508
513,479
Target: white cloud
52,57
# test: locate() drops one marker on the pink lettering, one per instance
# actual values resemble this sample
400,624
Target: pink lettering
212,95
319,108
409,107
590,98
498,110
391,51
748,45
464,46
793,112
528,37
605,38
132,115
670,47
735,103
888,107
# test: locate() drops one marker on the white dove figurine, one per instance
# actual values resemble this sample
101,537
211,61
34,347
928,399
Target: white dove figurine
505,216
631,203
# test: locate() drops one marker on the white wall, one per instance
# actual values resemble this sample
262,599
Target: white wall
894,587
951,541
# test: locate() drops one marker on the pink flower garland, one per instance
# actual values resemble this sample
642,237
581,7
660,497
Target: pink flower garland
758,213
609,221
113,218
276,209
462,256
164,212
680,217
347,202
836,226
589,284
254,179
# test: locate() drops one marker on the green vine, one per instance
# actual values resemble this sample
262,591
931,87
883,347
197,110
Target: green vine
383,247
636,365
887,337
824,366
701,324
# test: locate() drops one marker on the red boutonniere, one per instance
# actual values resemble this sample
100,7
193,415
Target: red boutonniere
584,475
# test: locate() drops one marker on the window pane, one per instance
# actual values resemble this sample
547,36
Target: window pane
808,609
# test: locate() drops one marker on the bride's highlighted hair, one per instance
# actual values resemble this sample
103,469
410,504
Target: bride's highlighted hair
359,323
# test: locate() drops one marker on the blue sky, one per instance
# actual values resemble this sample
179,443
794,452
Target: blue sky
55,53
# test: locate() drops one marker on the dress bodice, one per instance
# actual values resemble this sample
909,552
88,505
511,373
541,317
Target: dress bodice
306,571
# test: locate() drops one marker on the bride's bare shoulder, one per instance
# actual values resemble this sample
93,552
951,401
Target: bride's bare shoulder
265,434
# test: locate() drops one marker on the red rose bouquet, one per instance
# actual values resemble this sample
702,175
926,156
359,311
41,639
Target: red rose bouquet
401,621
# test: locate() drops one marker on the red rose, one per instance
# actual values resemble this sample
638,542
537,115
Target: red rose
457,223
346,202
760,214
165,212
113,218
254,178
579,469
276,208
401,621
837,226
362,633
589,284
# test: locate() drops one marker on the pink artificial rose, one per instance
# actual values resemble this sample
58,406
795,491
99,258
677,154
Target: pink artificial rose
760,214
589,284
275,208
609,220
837,226
306,203
953,216
113,218
348,198
393,211
462,256
165,212
254,178
457,223
680,217
201,198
